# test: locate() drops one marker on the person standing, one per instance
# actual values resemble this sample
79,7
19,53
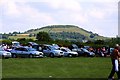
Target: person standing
115,63
119,69
119,63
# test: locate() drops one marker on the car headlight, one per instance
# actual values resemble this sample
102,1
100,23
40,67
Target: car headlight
6,53
37,53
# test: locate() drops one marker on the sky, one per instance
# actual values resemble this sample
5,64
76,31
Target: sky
98,16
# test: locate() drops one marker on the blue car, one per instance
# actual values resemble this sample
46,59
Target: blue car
4,54
25,52
85,52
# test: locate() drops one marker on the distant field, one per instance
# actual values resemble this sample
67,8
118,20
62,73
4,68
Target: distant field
17,37
72,29
81,67
67,28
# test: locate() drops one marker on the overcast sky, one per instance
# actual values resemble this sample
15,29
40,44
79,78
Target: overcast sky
93,15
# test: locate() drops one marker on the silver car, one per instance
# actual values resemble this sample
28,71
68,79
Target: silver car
26,52
68,52
51,51
4,54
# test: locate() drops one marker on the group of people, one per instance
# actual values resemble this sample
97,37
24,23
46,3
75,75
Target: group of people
115,58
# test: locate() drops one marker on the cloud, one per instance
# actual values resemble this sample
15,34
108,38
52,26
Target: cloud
12,9
18,14
64,4
95,13
84,13
1,28
98,1
34,16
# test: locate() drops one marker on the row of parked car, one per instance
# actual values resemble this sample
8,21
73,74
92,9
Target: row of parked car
43,50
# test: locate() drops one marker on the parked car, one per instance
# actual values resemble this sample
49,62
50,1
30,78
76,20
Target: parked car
55,46
85,52
35,46
16,44
51,51
87,47
68,52
25,52
75,48
4,54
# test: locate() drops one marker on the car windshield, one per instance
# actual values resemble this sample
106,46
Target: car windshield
85,50
31,49
15,43
75,46
53,48
68,50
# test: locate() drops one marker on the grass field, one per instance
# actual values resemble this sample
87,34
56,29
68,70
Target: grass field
18,37
71,29
80,67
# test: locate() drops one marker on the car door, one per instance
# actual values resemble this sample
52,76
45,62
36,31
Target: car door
65,52
25,52
18,52
46,51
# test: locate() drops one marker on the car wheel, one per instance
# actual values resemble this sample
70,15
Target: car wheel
85,54
52,55
2,57
30,56
69,55
14,56
6,57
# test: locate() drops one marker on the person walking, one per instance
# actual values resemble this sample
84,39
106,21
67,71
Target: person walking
119,69
119,63
115,63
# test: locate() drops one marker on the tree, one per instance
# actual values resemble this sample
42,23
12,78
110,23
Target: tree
43,36
92,36
30,35
99,42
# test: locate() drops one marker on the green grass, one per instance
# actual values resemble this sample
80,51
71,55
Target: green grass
56,67
0,68
67,29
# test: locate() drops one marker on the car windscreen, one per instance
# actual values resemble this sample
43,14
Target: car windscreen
16,44
53,48
68,50
75,46
56,46
85,50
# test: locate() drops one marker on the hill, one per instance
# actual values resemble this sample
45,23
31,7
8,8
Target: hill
67,32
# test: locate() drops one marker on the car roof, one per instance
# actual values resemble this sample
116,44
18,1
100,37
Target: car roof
15,42
32,43
63,48
23,47
47,45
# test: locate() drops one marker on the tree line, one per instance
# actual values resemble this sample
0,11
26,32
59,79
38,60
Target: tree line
45,38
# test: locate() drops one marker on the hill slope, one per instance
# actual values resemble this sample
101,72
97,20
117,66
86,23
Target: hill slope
67,32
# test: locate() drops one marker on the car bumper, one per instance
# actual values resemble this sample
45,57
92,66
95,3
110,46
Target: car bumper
37,56
59,55
74,55
6,56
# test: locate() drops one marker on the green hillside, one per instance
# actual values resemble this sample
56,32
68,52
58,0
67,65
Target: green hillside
67,32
